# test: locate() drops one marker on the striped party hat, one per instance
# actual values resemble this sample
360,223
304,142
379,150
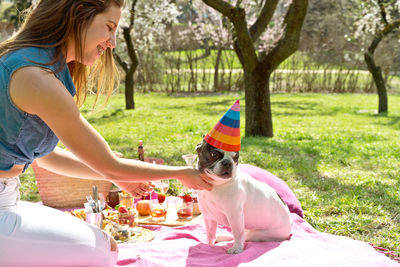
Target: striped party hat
226,133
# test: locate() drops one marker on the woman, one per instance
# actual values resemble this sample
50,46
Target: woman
60,46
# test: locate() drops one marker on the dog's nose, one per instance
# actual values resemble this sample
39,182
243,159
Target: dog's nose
226,163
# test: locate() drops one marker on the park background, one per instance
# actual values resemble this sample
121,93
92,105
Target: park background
331,141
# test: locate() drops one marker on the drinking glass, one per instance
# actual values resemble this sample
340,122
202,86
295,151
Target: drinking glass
185,210
190,159
121,233
94,219
126,200
161,185
127,218
158,210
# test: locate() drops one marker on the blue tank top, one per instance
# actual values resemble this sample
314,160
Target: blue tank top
24,137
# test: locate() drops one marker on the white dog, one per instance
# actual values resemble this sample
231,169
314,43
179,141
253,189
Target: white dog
252,209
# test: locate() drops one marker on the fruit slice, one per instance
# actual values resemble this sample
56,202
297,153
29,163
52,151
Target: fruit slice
187,198
123,209
161,198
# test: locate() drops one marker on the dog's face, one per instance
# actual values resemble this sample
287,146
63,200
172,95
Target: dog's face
218,164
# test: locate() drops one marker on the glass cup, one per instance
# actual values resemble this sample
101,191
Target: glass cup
127,218
121,233
113,198
158,211
190,159
185,210
161,186
94,218
126,200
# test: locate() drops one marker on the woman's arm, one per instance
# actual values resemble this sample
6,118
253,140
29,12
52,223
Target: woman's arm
63,162
37,91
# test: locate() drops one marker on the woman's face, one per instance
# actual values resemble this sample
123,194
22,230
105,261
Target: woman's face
100,35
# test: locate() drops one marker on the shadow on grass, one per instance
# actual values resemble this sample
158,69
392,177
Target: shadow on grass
211,107
303,161
107,116
393,122
303,108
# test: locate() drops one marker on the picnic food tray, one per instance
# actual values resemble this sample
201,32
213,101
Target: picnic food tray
139,234
171,220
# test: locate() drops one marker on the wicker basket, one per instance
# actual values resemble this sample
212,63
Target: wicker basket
59,191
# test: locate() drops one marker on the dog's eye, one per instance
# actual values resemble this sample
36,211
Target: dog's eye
214,154
235,155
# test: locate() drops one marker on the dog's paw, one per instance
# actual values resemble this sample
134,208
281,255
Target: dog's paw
236,249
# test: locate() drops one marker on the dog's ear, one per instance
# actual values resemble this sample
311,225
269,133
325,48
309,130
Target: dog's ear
199,146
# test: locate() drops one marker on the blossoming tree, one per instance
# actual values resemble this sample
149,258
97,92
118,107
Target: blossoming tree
261,48
379,19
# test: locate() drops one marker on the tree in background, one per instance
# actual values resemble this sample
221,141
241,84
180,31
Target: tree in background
211,26
129,66
379,19
325,33
273,46
143,25
13,13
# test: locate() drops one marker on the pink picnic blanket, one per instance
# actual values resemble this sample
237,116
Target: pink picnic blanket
187,246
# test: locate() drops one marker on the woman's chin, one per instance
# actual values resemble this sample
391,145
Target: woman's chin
89,61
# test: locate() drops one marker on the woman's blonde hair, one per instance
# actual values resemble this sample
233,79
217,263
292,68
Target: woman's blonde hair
51,23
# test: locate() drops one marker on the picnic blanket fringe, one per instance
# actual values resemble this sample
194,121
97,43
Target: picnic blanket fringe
391,254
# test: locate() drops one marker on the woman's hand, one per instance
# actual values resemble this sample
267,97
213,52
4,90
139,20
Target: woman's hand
137,190
192,178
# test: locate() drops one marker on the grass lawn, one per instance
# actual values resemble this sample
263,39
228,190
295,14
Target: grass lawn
337,155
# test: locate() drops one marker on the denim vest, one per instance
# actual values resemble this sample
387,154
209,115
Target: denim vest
24,137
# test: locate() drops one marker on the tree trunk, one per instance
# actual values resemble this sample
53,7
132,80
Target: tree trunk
376,73
258,102
129,68
216,69
129,91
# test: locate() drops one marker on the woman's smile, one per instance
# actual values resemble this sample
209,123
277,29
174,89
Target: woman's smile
100,35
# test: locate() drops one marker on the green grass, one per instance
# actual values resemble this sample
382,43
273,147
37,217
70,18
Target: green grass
339,157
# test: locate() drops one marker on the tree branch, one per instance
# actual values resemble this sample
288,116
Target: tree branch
132,16
244,45
122,63
131,49
126,32
221,6
388,29
382,11
263,19
289,41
